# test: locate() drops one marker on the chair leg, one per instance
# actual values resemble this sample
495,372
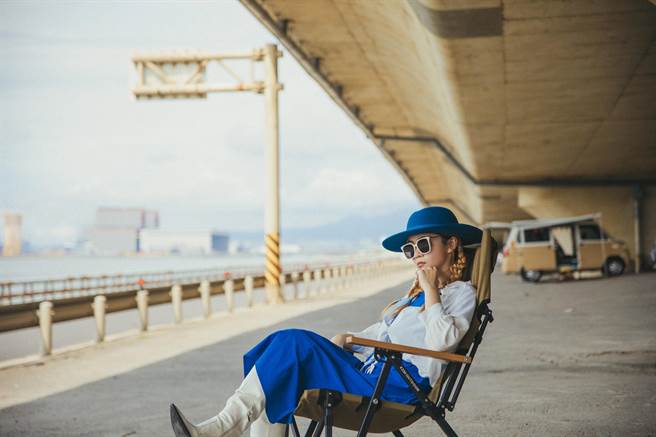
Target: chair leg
397,433
319,429
310,429
294,427
375,398
328,419
441,421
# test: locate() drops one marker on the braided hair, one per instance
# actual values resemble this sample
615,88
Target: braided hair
458,264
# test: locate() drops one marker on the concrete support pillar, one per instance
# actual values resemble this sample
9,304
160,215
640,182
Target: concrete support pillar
99,306
206,299
142,309
637,234
45,313
248,289
176,300
229,290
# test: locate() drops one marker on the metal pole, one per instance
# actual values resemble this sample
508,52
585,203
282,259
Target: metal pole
272,211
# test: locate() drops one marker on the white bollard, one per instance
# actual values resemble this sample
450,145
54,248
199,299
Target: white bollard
205,298
229,290
295,276
142,307
317,281
45,313
307,276
99,306
176,300
248,289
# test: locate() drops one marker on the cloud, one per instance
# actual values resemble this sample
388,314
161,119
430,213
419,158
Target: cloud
74,139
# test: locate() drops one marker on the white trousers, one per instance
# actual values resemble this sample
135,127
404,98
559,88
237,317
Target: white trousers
261,427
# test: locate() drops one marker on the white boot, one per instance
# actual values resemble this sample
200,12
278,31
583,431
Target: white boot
263,428
242,408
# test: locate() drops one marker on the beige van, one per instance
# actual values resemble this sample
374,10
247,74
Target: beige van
535,247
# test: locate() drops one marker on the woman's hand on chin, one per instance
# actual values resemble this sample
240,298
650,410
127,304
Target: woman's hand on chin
427,278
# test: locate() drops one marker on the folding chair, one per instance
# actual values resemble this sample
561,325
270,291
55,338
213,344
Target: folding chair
327,408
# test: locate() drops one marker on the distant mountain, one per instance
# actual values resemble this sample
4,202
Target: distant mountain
354,228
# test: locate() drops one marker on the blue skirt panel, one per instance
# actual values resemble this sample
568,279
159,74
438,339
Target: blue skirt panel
290,361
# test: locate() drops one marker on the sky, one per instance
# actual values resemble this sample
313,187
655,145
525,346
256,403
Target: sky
73,138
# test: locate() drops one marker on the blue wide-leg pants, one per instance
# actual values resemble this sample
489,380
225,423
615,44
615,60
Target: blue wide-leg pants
290,361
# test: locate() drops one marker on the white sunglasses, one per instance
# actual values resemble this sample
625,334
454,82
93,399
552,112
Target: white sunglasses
423,246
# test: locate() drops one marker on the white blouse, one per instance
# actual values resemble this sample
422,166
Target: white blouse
439,327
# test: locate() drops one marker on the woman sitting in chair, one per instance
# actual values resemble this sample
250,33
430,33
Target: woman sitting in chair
434,314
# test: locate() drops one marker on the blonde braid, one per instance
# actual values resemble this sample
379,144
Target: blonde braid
456,268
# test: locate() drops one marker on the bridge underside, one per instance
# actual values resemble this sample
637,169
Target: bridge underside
493,106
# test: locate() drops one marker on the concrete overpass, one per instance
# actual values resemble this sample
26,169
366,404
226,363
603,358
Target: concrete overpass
500,109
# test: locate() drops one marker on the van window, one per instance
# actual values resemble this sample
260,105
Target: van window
590,232
536,235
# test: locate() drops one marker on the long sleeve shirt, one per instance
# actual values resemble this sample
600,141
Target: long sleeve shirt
439,327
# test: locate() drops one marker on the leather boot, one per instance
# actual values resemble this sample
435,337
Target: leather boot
241,409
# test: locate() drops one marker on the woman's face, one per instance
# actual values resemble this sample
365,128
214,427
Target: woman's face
439,254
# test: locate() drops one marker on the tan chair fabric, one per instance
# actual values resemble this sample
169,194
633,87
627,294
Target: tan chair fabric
349,413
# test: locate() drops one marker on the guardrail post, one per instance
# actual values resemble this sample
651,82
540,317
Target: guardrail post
337,280
142,307
248,289
229,290
176,300
317,281
45,313
328,284
306,282
99,306
204,290
295,276
282,279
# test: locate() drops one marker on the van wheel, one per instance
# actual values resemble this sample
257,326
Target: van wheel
614,266
530,275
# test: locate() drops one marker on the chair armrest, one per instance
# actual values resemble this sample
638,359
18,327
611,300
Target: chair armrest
448,356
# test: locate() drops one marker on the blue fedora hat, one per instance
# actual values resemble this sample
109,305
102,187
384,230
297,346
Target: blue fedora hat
433,219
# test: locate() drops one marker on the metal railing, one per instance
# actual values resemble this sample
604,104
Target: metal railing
46,302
